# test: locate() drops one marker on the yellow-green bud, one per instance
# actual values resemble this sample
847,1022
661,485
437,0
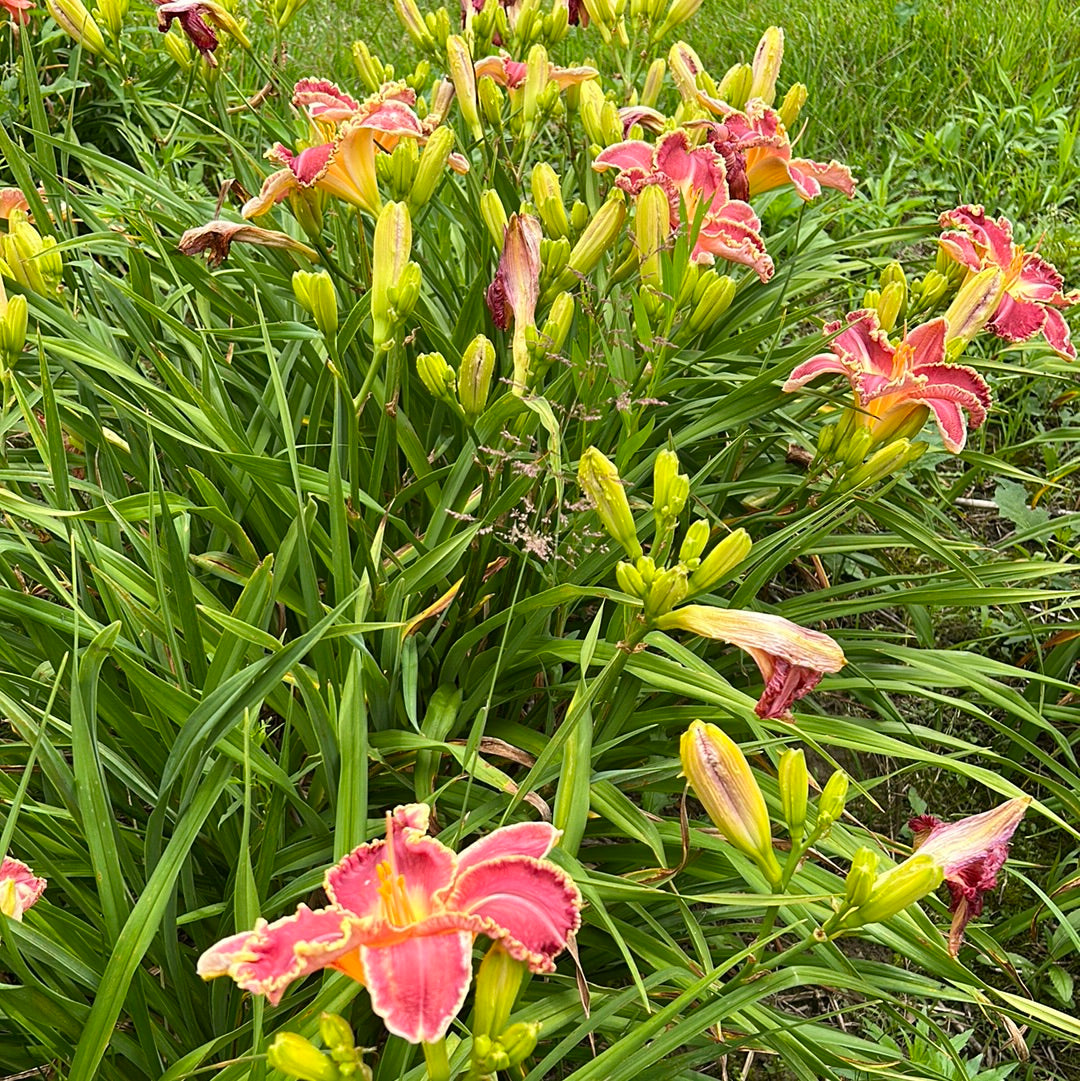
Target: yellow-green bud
557,326
391,250
871,298
599,235
688,284
111,13
766,66
405,294
934,287
670,487
855,445
336,1032
714,302
794,786
536,81
792,105
431,166
13,318
600,480
890,304
314,291
697,537
579,216
652,226
859,884
494,214
437,376
972,307
519,1041
460,66
403,164
735,86
654,83
491,102
294,1056
414,23
668,589
73,18
630,581
678,13
646,567
911,881
893,272
176,45
591,104
554,255
367,67
832,801
557,23
548,200
684,65
474,376
885,462
717,566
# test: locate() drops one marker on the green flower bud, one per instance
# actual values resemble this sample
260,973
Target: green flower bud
911,881
719,563
859,884
437,376
600,480
579,216
832,801
630,581
652,227
646,567
494,214
415,25
519,1042
368,67
654,83
314,291
890,304
598,237
715,300
460,66
498,981
697,536
557,326
431,167
934,287
735,86
294,1056
391,250
670,487
491,102
474,376
669,588
13,321
792,105
548,199
794,785
336,1032
73,18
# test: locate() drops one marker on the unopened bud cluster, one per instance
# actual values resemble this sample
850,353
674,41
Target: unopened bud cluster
297,1057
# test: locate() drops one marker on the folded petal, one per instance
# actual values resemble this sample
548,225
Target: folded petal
324,100
418,985
993,236
822,364
928,342
534,839
633,154
809,177
1056,331
1017,320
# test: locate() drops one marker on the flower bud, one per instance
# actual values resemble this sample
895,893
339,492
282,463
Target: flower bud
670,487
684,65
855,444
934,287
893,272
792,105
414,24
646,567
391,250
794,785
885,462
679,12
442,97
723,782
494,214
519,1041
652,226
668,589
336,1032
688,283
31,259
554,255
889,305
498,981
630,580
859,884
13,319
314,291
367,67
719,563
431,166
405,294
73,18
591,107
654,83
437,376
111,13
697,536
536,81
766,65
901,424
973,306
294,1056
557,23
598,237
717,298
557,326
832,801
600,480
460,66
474,376
735,86
905,884
176,45
491,102
548,200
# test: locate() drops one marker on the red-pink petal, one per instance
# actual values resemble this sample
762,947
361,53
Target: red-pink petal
961,247
310,164
1017,320
633,154
1057,334
20,888
532,906
823,363
393,118
1039,281
353,883
928,342
993,236
418,985
534,839
950,422
324,100
809,177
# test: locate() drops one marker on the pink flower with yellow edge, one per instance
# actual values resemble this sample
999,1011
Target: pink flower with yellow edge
1033,287
970,852
892,383
20,889
695,180
792,659
510,73
758,153
402,918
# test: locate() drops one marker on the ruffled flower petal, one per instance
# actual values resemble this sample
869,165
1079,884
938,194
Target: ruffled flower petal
534,839
20,888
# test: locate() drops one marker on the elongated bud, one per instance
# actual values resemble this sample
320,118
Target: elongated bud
668,589
697,536
646,567
893,891
536,81
314,292
885,462
431,167
554,255
557,326
599,235
600,480
474,376
792,105
889,305
717,298
766,65
405,294
654,83
832,801
294,1056
630,580
336,1032
368,67
652,226
557,23
591,104
678,13
684,65
460,65
723,782
670,487
856,444
111,13
392,247
893,272
12,329
491,102
735,86
494,214
73,18
934,287
794,786
717,566
548,200
31,259
972,307
437,376
859,884
176,45
498,981
413,21
898,424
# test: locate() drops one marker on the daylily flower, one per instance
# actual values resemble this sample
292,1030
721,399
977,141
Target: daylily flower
19,888
217,237
695,180
192,15
514,293
792,659
893,383
12,199
1033,287
758,153
402,918
970,853
18,10
510,73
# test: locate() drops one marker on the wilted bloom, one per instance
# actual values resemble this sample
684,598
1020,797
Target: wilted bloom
217,237
792,659
195,18
20,889
726,787
970,853
402,918
758,153
1033,287
695,180
892,383
514,293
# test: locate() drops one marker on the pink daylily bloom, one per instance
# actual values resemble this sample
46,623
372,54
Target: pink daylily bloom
515,290
792,659
19,10
510,73
971,852
892,382
1034,290
402,918
20,889
758,152
695,180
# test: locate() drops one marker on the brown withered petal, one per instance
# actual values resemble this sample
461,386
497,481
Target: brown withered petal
217,237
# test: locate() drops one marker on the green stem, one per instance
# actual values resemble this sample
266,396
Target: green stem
438,1062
